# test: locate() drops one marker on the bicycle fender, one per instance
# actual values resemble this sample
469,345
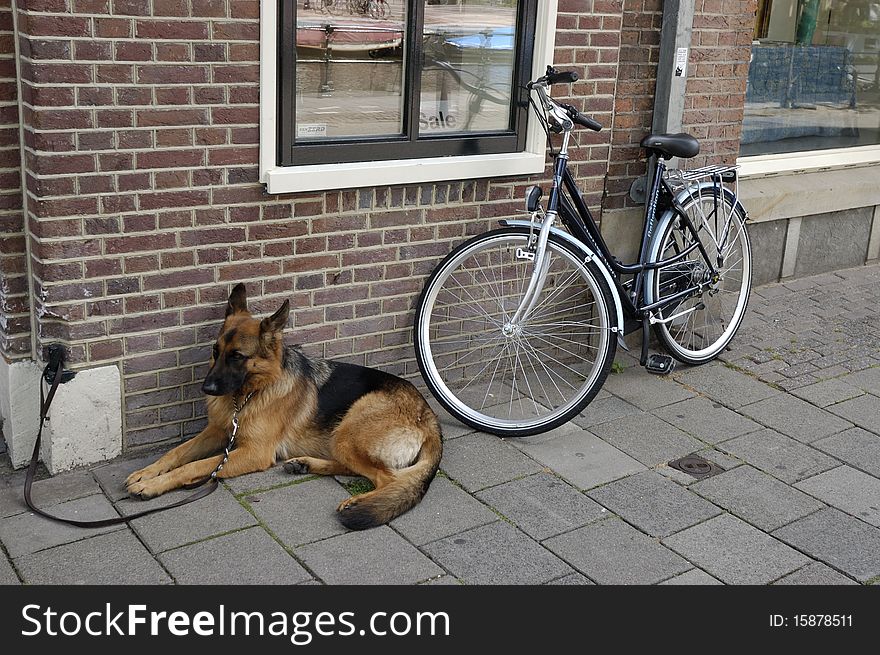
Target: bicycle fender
612,283
681,198
684,195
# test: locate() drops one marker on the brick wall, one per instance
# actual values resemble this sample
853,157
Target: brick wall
719,69
634,102
15,340
141,153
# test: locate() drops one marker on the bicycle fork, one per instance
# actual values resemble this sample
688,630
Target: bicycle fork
541,259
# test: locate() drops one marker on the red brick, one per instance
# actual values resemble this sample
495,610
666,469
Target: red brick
236,31
173,199
169,74
171,29
148,243
171,117
169,159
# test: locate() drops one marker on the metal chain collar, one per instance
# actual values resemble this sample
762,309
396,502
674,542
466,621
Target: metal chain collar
236,409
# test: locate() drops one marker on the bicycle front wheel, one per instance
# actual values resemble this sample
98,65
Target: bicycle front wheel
699,327
514,378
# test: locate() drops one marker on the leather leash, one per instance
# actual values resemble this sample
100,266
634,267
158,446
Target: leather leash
208,485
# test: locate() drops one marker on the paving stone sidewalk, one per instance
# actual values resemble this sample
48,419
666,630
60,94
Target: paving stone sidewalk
790,415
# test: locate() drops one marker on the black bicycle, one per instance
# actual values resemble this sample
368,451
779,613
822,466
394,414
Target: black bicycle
516,329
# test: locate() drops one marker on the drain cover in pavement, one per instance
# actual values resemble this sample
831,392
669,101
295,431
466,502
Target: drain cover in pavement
696,466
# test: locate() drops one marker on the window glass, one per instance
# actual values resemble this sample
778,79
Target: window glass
349,68
470,55
814,77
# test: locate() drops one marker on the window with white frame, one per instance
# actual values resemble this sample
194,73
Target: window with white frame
814,77
369,92
372,80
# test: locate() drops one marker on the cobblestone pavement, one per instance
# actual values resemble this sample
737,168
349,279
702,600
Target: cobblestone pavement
791,418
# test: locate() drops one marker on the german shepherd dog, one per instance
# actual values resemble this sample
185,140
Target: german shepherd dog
317,416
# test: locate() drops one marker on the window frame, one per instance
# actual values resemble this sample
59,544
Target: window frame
528,158
410,144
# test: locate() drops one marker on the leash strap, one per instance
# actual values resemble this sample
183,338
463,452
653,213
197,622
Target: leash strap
45,403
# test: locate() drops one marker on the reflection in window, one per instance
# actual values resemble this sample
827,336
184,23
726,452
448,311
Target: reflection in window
469,63
814,78
349,68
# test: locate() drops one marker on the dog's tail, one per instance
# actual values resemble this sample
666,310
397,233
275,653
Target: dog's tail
405,491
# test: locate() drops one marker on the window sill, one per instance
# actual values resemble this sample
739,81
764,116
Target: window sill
791,162
320,177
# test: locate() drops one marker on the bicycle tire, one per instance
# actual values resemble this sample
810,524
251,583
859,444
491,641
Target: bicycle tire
675,336
537,338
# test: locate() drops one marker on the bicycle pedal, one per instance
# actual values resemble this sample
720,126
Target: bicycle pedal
660,364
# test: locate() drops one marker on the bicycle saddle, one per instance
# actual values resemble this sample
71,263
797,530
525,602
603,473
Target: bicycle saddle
672,145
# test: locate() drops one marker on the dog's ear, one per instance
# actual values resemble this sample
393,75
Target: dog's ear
237,300
276,322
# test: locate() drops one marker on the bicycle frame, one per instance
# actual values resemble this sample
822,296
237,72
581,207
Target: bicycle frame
576,216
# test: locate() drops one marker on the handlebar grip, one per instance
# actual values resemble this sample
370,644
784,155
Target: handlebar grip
561,77
586,121
581,119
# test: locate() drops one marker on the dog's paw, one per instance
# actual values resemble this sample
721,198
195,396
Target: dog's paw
146,473
347,504
145,489
296,466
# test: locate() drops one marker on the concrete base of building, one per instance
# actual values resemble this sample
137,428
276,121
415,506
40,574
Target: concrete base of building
85,422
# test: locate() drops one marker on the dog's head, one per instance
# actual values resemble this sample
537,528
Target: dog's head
247,354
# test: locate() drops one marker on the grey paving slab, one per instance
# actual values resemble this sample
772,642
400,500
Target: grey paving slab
857,447
248,556
735,552
603,410
442,581
839,540
815,573
26,533
723,460
11,499
848,489
581,458
377,556
867,380
646,390
780,456
542,505
302,512
7,574
706,420
571,579
480,460
654,504
675,475
449,426
116,558
864,411
796,418
648,439
496,553
215,514
112,475
49,492
444,510
827,392
692,577
613,552
756,497
273,477
725,385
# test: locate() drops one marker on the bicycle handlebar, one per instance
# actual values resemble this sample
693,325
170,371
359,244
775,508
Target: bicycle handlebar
554,76
581,119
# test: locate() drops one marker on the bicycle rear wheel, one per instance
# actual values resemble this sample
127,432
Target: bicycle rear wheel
514,379
700,326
